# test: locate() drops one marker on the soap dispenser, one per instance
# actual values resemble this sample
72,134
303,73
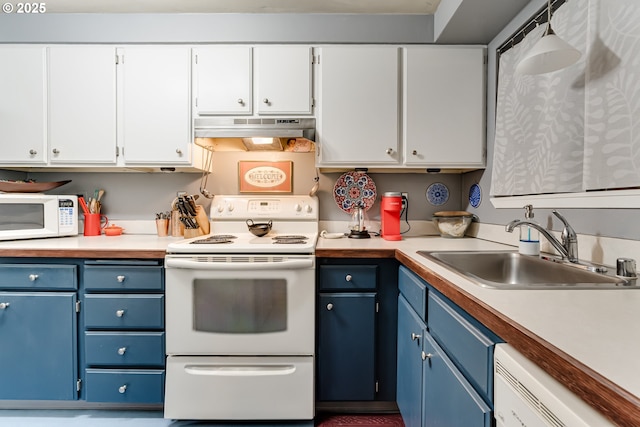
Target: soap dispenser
529,236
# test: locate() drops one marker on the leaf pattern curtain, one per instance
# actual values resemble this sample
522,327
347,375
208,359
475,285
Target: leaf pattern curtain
573,130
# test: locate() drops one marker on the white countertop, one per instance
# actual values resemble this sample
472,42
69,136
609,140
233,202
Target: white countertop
128,242
600,328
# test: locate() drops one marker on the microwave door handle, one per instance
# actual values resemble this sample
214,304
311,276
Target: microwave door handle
191,264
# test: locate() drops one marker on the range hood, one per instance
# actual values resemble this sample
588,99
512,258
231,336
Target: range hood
253,128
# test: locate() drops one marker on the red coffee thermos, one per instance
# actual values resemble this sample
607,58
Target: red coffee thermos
390,210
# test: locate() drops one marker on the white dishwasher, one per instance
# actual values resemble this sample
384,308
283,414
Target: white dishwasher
526,396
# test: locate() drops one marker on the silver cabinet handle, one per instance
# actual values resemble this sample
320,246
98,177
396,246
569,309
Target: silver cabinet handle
119,313
120,279
329,306
122,389
122,351
33,152
348,278
414,152
4,305
389,151
33,277
179,151
426,356
55,151
240,101
266,100
415,336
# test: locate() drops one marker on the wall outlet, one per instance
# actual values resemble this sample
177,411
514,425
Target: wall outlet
405,200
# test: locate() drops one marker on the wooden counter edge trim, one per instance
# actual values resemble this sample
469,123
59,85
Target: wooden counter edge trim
355,253
82,253
614,402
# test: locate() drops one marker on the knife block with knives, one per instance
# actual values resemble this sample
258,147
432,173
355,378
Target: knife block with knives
192,216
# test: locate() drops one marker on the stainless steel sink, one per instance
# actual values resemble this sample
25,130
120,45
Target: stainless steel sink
510,270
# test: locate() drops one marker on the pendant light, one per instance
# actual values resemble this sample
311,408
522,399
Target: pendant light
550,53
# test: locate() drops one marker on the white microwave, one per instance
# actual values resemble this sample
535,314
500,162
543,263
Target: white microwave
35,216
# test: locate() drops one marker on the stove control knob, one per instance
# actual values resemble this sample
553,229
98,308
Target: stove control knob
220,208
297,207
308,209
230,207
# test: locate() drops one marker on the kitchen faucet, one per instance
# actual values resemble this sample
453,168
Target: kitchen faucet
568,248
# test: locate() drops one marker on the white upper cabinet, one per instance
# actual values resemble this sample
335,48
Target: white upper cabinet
359,104
155,105
82,105
223,80
444,106
227,77
23,105
283,79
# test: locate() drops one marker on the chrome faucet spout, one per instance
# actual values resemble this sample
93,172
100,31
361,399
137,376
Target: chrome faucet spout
564,252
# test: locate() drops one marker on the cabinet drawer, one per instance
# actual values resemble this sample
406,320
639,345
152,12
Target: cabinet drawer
466,344
124,348
123,311
414,290
348,277
125,386
38,276
123,278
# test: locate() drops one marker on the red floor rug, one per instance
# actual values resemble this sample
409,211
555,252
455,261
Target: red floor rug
354,420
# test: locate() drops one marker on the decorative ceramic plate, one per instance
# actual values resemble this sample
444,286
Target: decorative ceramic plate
29,186
437,194
475,195
352,188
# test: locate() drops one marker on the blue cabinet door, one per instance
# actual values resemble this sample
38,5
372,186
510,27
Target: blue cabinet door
346,346
449,399
38,333
411,329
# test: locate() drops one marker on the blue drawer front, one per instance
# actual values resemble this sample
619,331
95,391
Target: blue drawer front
348,277
124,311
414,290
35,276
472,348
124,348
123,278
125,386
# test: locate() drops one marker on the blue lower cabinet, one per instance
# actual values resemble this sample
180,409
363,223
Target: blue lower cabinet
124,386
38,336
411,329
124,348
449,399
346,346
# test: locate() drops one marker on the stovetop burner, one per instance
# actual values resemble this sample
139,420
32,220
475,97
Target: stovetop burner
289,241
215,239
290,237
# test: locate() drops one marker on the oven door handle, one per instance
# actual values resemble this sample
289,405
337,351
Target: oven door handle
290,264
240,370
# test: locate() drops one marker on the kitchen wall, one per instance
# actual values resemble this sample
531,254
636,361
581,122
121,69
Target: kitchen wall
136,196
619,223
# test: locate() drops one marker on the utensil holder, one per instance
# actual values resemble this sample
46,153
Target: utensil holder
177,227
162,226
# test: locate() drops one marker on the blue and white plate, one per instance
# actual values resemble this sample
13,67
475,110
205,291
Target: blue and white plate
475,195
437,194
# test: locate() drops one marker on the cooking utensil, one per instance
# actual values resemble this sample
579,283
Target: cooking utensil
205,173
259,228
315,187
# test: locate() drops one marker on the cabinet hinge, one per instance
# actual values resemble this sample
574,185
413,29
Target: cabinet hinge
377,387
78,385
117,151
195,59
316,59
377,307
196,102
313,102
77,306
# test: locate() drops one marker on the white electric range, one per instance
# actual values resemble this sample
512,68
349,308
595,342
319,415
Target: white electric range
240,313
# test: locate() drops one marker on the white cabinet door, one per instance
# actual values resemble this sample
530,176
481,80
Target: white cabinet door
358,121
223,80
156,103
283,79
82,105
444,106
23,105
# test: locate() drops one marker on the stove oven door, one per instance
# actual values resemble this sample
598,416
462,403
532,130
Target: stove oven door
240,305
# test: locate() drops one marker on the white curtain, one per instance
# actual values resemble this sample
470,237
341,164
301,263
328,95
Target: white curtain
573,129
